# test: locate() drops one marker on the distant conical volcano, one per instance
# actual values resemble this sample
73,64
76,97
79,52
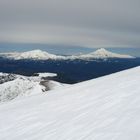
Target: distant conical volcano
103,53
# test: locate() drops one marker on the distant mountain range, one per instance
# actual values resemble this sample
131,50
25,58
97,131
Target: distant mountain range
43,55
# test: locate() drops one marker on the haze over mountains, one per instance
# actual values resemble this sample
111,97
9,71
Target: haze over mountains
43,55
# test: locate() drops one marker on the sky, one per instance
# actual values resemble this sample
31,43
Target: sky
86,23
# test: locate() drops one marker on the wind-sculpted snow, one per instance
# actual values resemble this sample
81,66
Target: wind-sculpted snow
13,86
107,108
42,55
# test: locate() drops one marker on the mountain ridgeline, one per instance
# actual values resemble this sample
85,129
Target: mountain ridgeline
43,55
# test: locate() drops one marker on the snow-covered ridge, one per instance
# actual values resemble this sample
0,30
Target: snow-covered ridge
43,55
106,108
13,86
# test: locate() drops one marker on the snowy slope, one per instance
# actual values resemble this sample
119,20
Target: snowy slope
42,55
107,108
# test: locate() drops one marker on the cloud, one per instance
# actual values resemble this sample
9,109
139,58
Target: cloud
88,23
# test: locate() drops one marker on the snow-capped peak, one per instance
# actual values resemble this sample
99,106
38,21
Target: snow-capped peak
35,54
103,53
36,51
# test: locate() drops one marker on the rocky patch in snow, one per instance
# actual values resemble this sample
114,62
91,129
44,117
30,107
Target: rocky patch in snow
6,78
